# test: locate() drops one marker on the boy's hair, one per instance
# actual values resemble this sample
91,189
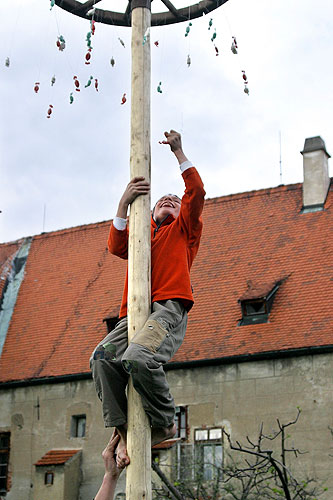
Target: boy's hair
168,194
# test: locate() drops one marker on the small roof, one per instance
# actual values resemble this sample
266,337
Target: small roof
56,457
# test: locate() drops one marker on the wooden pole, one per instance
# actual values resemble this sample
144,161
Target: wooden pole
138,474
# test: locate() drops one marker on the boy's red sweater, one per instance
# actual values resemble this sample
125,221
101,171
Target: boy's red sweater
174,244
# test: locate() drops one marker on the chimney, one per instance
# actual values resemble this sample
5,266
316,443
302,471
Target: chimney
316,179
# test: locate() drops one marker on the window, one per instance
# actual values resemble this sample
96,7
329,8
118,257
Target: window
78,426
209,452
48,478
203,458
256,310
181,422
111,323
4,460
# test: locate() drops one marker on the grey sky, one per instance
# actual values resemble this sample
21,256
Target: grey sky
77,162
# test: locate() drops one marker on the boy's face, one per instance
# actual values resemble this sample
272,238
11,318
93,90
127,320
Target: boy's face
168,204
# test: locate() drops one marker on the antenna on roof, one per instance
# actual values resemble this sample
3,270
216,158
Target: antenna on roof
280,159
44,216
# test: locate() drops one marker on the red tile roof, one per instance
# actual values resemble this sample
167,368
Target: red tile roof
56,457
250,241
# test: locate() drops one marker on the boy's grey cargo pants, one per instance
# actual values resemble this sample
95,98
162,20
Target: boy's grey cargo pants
114,360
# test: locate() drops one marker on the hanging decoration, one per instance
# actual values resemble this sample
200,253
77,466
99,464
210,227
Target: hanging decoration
188,60
246,90
188,29
61,43
122,42
53,80
76,83
112,61
88,56
234,46
210,24
89,82
36,87
216,50
71,98
123,99
159,88
49,111
156,43
92,26
213,36
88,40
145,36
52,3
96,84
7,62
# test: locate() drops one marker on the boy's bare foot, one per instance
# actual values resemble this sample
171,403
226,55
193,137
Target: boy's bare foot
122,458
159,434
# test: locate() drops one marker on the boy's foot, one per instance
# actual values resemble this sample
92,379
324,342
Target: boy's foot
122,458
159,434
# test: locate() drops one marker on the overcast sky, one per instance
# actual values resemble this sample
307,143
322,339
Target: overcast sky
76,164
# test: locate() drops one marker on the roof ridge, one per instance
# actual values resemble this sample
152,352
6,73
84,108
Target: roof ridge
255,192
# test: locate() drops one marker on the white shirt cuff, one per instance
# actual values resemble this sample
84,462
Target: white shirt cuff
119,223
185,165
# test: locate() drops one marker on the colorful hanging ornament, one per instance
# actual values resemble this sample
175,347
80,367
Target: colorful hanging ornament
123,99
88,40
146,35
112,61
121,41
49,111
216,50
52,2
188,29
246,90
159,88
210,24
88,57
71,98
234,46
76,83
214,36
188,61
61,44
53,80
92,26
156,43
7,62
36,87
96,84
89,82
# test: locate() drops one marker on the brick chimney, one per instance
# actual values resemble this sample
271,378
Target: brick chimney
316,179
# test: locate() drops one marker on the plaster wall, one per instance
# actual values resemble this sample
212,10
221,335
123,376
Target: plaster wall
238,396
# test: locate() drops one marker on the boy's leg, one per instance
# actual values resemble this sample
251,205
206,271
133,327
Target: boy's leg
109,375
149,350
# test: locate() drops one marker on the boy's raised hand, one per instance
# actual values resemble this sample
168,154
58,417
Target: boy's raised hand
174,140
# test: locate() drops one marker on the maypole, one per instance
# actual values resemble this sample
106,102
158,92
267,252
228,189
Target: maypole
138,15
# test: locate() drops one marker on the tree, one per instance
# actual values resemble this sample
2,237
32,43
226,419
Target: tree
262,473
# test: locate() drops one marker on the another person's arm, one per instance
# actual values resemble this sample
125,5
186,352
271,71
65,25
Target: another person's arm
112,472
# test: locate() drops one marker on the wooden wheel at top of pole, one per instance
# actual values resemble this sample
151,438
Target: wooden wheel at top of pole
171,16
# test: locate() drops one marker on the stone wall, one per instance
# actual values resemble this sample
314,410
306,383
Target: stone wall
238,396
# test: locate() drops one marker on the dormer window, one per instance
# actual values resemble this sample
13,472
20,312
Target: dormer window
257,303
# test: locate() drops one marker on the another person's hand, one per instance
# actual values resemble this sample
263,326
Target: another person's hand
108,455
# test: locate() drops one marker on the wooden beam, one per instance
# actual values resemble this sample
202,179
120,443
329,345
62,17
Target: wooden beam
138,473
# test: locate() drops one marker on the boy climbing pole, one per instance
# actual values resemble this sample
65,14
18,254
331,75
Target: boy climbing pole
176,228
